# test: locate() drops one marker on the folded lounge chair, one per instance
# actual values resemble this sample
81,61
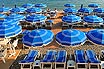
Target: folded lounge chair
61,59
29,59
92,59
80,59
48,59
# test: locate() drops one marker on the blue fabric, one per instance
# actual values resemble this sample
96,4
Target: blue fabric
4,9
69,5
28,5
99,10
25,32
71,19
70,37
41,5
34,10
93,5
3,16
85,10
17,9
96,36
93,19
38,37
70,10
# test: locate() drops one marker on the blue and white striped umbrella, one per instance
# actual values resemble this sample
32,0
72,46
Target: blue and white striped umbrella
85,10
7,31
3,16
36,18
41,5
39,37
93,19
15,16
69,5
99,10
70,37
96,36
25,32
4,9
70,10
34,10
93,5
71,19
28,5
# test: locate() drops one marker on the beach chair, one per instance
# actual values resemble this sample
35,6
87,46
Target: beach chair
92,59
60,61
81,62
29,59
48,24
48,59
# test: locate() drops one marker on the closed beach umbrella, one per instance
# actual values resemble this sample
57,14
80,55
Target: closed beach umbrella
85,10
36,18
96,36
93,19
7,31
93,5
34,10
69,5
99,10
71,19
70,37
2,16
41,5
15,16
28,5
38,37
70,10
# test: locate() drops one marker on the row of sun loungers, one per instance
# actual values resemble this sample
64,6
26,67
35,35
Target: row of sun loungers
58,59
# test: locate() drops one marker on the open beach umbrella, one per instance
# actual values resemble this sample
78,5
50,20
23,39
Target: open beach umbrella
39,37
36,18
41,5
28,5
7,31
15,16
4,9
34,10
2,16
93,19
96,36
71,19
25,32
70,10
70,37
85,10
93,5
99,10
69,5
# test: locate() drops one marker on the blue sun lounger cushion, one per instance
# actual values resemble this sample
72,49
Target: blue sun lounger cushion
80,58
30,56
61,56
92,56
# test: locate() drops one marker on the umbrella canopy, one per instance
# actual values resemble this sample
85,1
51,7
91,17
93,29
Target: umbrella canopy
38,37
3,16
71,19
85,10
28,5
70,10
99,10
7,31
34,10
15,17
4,9
36,18
25,32
96,36
93,19
69,5
70,37
93,5
41,5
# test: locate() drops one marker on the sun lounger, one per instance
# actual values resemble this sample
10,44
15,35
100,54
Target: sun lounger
29,59
48,59
80,59
92,59
61,59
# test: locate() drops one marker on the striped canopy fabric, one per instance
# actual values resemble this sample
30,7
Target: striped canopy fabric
18,10
93,5
39,37
36,18
2,16
71,19
34,10
7,31
25,32
93,19
4,9
96,36
69,5
41,5
99,10
70,10
28,5
85,10
70,37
